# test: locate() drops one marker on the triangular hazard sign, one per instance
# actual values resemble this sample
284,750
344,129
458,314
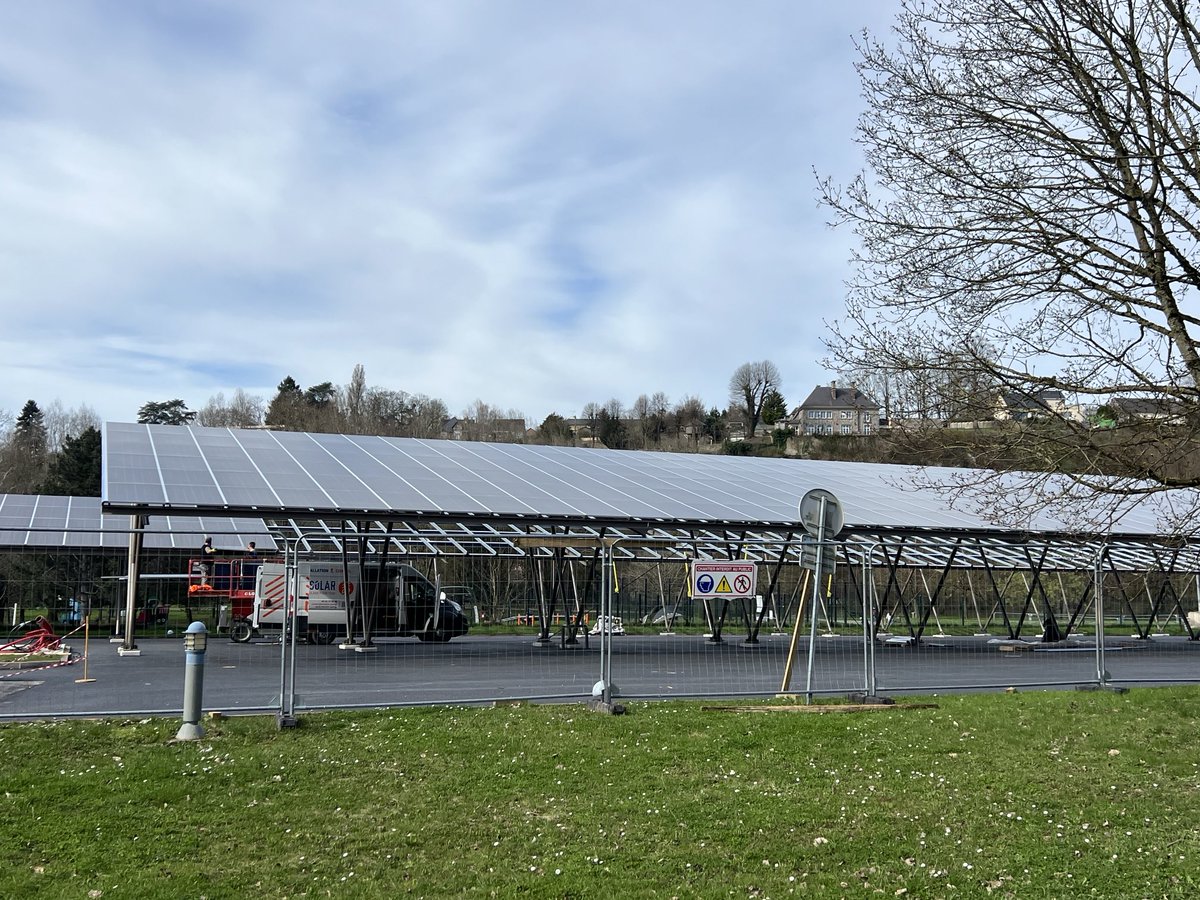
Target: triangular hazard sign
723,587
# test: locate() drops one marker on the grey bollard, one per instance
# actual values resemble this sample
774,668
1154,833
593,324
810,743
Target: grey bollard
195,642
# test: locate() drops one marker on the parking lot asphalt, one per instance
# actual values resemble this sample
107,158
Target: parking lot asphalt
480,668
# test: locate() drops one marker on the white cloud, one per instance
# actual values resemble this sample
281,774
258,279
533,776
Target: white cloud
537,205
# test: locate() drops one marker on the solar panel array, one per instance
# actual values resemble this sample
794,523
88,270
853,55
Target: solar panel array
50,521
256,472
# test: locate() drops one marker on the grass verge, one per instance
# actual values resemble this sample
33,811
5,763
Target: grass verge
1024,795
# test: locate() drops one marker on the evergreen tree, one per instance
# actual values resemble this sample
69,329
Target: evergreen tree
321,395
610,431
284,411
165,412
555,431
774,407
23,455
715,425
75,471
30,432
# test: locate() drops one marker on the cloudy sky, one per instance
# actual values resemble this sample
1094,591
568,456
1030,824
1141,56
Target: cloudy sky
535,204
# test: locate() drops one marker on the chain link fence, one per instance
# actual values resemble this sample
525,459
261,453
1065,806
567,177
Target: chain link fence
374,631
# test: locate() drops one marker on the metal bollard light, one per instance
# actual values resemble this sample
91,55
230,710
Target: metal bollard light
195,642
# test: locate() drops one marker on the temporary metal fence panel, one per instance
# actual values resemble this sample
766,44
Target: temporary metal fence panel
1151,625
81,593
883,625
539,628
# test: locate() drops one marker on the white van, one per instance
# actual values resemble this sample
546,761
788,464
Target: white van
397,601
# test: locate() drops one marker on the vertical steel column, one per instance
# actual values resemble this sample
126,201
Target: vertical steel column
366,607
351,600
136,524
603,689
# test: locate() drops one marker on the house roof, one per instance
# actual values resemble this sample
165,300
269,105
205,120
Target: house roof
830,396
1039,401
1146,406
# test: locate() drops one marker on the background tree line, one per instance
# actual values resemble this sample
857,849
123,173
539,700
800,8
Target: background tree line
651,421
57,450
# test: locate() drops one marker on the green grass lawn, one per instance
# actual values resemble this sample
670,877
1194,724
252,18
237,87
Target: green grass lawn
1002,795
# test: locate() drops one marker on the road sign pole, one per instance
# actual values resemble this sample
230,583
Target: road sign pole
812,637
796,627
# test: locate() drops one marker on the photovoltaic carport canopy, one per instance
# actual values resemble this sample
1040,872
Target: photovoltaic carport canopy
269,473
50,521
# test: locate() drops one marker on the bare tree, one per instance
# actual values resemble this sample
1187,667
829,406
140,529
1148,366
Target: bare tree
748,389
352,399
482,422
931,389
427,415
641,436
63,424
1035,190
660,412
242,410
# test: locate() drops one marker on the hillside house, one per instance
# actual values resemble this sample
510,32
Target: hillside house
1148,409
833,410
1014,406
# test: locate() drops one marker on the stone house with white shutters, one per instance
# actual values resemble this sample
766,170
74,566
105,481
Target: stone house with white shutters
831,410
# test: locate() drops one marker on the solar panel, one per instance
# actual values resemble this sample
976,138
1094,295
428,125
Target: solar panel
257,472
51,521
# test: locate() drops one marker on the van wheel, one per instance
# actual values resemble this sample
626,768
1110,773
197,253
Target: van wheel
322,636
240,631
433,637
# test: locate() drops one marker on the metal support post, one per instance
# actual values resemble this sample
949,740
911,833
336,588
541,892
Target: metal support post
604,690
128,646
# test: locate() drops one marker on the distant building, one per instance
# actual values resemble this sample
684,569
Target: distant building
1148,409
1013,406
494,430
833,410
